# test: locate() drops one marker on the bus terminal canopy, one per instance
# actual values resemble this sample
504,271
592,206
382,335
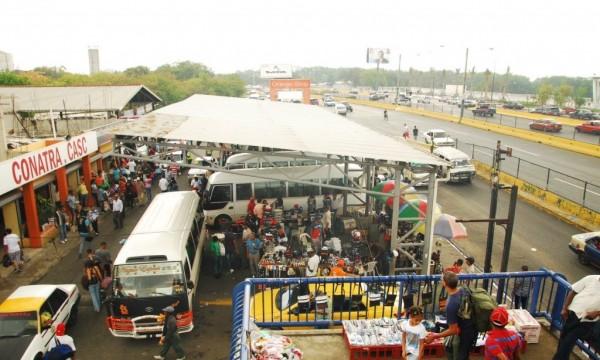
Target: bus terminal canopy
288,126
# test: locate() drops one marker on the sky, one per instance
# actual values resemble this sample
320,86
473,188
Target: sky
535,38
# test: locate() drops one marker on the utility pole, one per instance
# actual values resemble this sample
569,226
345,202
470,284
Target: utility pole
398,77
495,176
3,147
505,83
512,207
462,102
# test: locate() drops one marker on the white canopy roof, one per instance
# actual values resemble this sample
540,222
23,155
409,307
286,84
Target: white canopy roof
271,124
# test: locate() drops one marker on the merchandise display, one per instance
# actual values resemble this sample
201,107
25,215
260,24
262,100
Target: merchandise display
384,331
266,346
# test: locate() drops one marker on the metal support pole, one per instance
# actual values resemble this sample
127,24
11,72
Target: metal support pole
585,185
487,265
548,179
369,185
512,207
345,203
395,214
462,103
431,202
398,77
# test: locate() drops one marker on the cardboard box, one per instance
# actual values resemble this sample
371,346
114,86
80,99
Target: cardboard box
525,323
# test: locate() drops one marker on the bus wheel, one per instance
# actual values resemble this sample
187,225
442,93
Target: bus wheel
223,222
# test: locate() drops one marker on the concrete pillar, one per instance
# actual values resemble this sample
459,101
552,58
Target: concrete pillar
100,165
31,213
86,168
63,185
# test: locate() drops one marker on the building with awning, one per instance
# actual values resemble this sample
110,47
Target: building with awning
45,111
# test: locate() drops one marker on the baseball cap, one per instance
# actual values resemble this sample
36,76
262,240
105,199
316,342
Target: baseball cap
61,329
499,317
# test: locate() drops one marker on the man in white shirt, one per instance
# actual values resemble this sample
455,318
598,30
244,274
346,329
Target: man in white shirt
63,338
12,246
117,212
327,223
163,184
312,266
581,311
131,167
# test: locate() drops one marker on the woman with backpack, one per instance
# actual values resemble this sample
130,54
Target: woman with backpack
92,276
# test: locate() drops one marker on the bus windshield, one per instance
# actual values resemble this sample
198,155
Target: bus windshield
149,279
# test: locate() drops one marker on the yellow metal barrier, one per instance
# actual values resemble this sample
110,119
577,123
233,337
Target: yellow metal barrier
534,116
555,141
553,204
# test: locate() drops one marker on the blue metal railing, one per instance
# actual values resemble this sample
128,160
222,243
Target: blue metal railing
379,296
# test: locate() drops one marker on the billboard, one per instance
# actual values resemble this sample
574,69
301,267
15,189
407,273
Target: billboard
276,71
378,55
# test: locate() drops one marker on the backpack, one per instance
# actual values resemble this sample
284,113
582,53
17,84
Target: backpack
59,352
477,305
82,227
6,261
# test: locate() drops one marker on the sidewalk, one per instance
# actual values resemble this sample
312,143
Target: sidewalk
39,261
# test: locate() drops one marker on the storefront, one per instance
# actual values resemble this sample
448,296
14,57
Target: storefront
40,178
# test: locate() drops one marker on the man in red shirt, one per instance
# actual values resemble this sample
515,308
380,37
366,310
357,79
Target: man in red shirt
501,343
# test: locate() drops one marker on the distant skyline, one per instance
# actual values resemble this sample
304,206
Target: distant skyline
534,38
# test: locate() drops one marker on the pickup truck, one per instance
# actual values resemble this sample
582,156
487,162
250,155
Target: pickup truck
587,247
484,110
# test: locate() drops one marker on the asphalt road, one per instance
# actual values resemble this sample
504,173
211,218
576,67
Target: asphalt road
570,170
567,131
539,239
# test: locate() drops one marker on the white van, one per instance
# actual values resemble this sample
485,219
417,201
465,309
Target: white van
341,109
461,168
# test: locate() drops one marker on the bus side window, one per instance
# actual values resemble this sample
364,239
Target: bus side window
243,191
190,246
221,193
186,269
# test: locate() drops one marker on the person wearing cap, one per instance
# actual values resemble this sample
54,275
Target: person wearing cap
170,336
339,269
63,339
581,312
501,343
413,335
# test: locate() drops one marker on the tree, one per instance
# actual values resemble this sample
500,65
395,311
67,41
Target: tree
137,71
544,92
580,95
12,79
562,94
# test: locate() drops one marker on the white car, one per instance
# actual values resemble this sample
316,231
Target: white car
417,175
29,315
328,102
341,109
438,137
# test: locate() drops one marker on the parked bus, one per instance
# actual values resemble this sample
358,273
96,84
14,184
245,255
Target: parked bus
158,266
254,161
228,193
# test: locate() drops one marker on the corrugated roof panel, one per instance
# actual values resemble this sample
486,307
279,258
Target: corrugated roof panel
271,124
72,98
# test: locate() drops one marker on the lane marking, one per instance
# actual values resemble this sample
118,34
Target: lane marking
523,151
215,302
576,186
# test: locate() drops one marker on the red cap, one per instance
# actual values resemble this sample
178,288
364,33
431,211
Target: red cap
499,317
60,329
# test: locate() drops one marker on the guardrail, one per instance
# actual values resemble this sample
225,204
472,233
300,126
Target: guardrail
582,192
276,303
568,131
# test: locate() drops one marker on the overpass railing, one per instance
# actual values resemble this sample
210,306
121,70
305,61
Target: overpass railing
279,303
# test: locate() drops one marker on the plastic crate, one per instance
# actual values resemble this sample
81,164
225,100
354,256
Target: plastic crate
435,349
373,352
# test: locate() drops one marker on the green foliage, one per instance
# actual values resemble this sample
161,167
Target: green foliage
580,95
172,82
562,94
544,92
476,81
12,79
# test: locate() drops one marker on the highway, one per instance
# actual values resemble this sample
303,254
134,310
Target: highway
571,170
539,239
509,120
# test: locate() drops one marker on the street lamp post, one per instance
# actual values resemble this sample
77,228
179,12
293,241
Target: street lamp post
462,102
493,77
